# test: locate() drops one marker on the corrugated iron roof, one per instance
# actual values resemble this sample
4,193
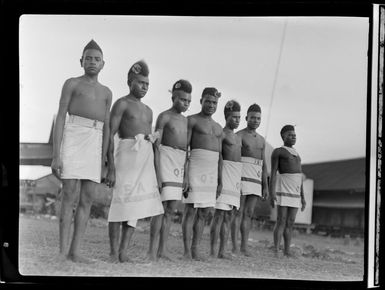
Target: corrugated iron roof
337,175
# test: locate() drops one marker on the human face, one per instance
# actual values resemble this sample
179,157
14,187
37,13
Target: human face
209,104
181,101
289,138
139,86
233,119
253,120
92,61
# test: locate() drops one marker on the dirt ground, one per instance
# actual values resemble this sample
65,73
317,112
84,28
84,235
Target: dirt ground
316,257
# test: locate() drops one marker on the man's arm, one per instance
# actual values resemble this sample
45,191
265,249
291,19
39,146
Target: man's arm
65,100
186,182
106,129
160,123
303,202
264,173
220,165
273,178
115,119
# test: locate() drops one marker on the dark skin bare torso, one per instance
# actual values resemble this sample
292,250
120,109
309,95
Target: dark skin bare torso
136,118
287,162
231,146
253,144
205,133
174,126
89,99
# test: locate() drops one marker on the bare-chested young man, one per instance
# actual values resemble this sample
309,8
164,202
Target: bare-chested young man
254,178
80,146
204,175
287,189
229,199
131,169
170,161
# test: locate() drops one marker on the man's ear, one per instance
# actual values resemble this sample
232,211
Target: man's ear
81,61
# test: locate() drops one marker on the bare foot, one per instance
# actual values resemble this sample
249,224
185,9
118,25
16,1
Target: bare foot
247,253
236,251
166,257
289,254
197,257
114,258
123,258
151,257
278,254
187,256
80,259
225,256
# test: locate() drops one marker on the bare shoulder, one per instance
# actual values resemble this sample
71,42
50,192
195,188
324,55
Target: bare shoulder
71,82
106,90
121,103
192,119
277,151
163,116
240,133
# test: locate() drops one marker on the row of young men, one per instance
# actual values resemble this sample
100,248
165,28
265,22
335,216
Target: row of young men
149,172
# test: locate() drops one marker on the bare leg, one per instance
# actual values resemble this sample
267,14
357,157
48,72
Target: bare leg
235,225
224,235
169,208
214,231
198,227
187,224
114,234
69,194
248,212
279,227
156,223
127,232
287,234
87,189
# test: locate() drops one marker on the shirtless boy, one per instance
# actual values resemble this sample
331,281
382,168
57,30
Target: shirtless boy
80,146
229,199
170,160
287,190
254,178
204,175
131,170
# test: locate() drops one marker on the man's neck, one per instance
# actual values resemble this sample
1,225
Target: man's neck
93,79
134,98
174,110
227,128
251,130
203,115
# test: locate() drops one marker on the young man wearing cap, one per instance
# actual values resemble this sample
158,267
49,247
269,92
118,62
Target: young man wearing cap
287,189
229,199
170,160
131,170
204,177
80,146
254,178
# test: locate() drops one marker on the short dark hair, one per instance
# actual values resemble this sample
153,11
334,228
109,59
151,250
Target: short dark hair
182,85
286,128
211,92
254,108
138,68
231,106
92,45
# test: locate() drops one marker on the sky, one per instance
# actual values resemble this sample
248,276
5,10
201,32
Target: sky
316,80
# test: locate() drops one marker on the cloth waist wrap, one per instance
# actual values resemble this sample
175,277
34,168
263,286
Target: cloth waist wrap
203,178
81,149
172,162
135,194
231,185
251,176
288,189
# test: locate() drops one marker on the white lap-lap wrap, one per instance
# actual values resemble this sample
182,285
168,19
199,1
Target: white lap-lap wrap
172,162
288,189
203,178
135,194
231,186
81,149
251,176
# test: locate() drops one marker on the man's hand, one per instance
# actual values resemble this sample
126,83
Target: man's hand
219,189
303,202
110,179
272,198
57,167
185,187
264,194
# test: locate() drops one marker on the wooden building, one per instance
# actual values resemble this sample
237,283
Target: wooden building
339,195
